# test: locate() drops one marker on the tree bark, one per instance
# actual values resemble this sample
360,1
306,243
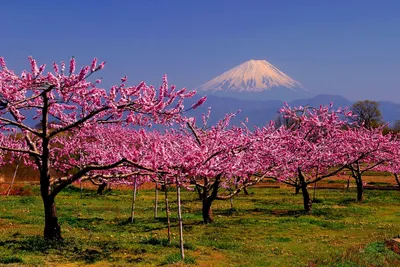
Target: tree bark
101,188
306,196
198,189
52,230
207,211
208,199
360,188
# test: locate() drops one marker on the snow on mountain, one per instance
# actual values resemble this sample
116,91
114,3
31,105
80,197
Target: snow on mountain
251,76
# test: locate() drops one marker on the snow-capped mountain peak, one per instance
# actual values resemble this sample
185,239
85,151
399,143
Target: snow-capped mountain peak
251,76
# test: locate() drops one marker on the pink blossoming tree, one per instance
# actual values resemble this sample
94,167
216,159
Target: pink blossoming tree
66,103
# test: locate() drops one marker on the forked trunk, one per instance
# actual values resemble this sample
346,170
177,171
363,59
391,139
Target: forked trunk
208,199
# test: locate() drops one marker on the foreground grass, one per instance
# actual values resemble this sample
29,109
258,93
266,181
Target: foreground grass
265,228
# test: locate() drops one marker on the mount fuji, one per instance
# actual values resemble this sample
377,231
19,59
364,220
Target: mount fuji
255,80
259,90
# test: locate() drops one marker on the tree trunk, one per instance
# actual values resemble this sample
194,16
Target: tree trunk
178,199
306,199
101,188
360,188
52,230
245,191
156,202
207,211
348,184
163,187
167,214
198,189
397,179
306,196
208,199
297,189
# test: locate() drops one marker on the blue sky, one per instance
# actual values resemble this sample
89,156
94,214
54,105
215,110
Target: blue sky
350,48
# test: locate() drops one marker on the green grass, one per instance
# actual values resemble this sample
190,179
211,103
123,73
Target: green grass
265,228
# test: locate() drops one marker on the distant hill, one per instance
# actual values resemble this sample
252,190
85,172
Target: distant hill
259,112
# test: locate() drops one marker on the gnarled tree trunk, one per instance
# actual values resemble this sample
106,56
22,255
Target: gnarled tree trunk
208,199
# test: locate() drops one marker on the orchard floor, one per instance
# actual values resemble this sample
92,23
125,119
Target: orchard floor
265,228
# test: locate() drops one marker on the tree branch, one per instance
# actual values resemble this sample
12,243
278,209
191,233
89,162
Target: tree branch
20,125
31,153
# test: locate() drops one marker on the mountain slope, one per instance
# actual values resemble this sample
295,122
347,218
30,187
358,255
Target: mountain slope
251,76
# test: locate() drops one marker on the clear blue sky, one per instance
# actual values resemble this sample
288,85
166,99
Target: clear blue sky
347,47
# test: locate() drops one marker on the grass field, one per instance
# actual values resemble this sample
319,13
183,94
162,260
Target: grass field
265,228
